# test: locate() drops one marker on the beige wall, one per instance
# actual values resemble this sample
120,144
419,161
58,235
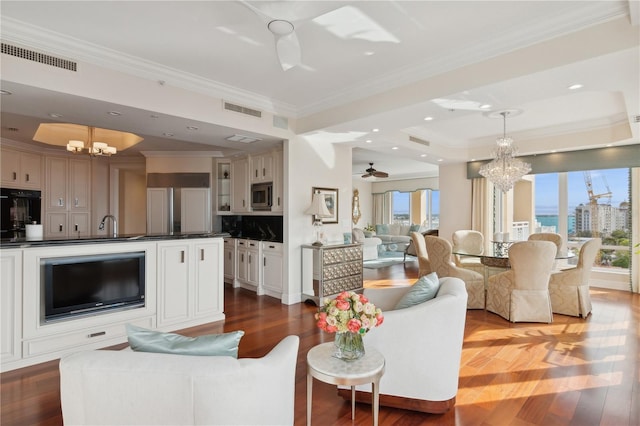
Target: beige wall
455,199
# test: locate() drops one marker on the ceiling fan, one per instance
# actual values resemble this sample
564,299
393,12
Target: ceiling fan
286,40
373,172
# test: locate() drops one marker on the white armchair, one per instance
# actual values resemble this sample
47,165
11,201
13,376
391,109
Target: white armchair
136,388
422,346
569,289
369,244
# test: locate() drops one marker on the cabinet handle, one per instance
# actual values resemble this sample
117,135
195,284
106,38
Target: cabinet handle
256,172
26,177
75,202
15,176
249,258
242,203
278,201
264,261
201,254
99,333
60,227
264,172
242,258
181,256
60,202
76,227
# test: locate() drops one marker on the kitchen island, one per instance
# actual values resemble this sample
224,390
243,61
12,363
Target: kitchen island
166,282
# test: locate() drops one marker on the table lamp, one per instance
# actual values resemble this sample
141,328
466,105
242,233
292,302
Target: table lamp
318,209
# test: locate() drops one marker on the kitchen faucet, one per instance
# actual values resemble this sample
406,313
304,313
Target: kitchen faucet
115,224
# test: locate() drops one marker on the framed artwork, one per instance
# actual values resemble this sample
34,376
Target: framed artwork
331,199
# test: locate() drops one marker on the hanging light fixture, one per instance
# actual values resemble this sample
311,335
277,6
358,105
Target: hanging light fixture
505,170
93,148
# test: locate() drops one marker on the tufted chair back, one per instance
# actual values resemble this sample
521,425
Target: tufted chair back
468,241
531,262
548,236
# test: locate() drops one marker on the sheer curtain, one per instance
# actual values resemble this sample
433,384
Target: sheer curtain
481,208
382,209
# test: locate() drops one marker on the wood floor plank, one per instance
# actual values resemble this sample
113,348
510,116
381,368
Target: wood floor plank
573,371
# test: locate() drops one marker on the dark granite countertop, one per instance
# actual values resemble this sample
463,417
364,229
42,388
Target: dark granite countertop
99,239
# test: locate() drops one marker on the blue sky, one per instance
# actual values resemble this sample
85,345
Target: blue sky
547,189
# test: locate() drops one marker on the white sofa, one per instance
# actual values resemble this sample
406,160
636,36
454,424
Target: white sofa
135,388
396,237
422,346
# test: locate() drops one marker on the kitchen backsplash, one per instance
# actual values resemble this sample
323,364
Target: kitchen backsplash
268,228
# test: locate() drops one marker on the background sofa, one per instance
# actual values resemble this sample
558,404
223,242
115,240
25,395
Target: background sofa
369,243
395,236
422,346
135,388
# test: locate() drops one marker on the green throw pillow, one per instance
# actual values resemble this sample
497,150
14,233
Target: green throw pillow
144,340
382,229
424,289
414,228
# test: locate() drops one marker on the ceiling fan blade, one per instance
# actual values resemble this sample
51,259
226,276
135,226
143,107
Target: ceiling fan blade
380,174
289,52
366,175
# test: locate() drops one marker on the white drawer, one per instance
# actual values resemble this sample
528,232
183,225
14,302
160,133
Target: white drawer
80,338
272,247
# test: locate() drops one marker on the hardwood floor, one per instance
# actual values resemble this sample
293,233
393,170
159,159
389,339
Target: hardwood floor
570,372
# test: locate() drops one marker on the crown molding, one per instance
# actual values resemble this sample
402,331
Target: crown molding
30,36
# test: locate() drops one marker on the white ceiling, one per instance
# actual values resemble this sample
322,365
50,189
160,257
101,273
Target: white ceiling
365,65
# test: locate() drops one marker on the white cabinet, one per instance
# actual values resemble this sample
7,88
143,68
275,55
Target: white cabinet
173,282
10,304
157,211
272,268
229,260
262,168
21,170
67,197
278,183
248,272
190,277
240,201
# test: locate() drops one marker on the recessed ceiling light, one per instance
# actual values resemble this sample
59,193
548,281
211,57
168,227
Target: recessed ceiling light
428,118
169,135
553,150
368,141
192,128
55,115
485,106
115,113
5,92
375,130
609,144
575,86
473,159
369,53
395,147
440,159
423,155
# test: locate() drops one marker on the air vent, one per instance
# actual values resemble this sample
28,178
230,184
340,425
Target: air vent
280,122
242,110
243,139
420,141
42,58
636,118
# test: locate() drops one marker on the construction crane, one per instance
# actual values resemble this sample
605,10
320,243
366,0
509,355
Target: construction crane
593,202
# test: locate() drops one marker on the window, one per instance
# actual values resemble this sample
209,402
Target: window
418,207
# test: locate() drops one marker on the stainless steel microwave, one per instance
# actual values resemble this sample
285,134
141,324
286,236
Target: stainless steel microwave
261,196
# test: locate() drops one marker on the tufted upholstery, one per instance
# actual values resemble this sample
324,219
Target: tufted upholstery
569,289
417,241
440,257
522,293
548,236
468,241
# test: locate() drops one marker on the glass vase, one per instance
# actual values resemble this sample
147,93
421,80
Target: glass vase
348,346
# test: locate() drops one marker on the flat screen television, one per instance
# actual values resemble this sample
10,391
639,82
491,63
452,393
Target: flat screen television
85,285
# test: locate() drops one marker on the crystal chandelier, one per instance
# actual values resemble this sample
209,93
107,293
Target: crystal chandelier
505,170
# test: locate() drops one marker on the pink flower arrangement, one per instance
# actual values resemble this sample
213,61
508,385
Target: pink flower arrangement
349,311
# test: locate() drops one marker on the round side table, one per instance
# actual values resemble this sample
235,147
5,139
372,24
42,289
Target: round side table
323,366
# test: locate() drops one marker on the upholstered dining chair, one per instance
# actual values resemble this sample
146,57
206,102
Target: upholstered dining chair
420,251
468,241
569,289
440,255
521,294
549,236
